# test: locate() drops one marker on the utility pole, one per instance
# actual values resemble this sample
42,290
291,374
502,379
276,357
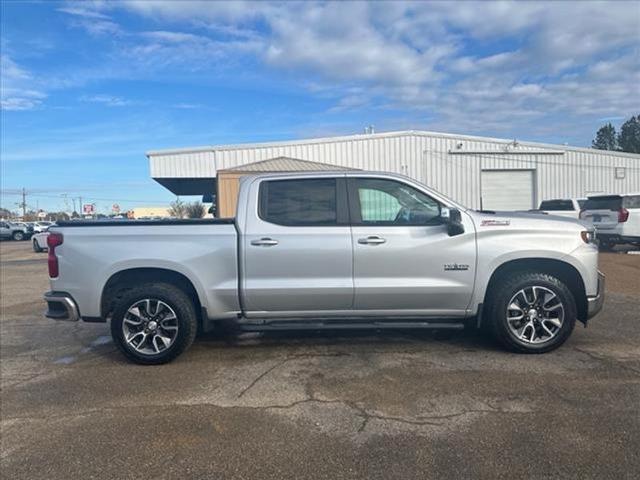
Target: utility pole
81,212
23,204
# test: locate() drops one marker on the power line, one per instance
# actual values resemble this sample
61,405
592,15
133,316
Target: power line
62,197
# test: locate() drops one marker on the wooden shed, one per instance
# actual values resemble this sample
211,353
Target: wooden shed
228,181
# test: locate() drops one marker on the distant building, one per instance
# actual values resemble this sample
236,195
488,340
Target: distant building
228,181
478,172
150,212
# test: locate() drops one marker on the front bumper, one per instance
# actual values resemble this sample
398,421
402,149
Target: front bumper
595,303
61,306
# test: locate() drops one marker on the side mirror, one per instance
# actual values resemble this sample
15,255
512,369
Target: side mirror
453,219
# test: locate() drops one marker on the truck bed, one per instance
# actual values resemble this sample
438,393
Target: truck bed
130,223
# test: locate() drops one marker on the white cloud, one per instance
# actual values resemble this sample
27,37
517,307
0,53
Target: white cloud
469,65
18,91
108,100
90,18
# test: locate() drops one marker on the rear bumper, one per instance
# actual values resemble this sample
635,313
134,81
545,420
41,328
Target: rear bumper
616,238
595,303
61,306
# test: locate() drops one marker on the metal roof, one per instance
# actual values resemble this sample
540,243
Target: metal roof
402,133
285,164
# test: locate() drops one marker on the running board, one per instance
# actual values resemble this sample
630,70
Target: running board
340,325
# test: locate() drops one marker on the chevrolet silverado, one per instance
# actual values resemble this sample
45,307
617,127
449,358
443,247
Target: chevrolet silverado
327,250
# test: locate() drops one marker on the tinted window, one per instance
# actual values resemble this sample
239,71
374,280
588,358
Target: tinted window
299,202
386,202
552,205
632,201
603,203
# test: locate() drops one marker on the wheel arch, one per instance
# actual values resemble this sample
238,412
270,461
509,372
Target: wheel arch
563,271
124,280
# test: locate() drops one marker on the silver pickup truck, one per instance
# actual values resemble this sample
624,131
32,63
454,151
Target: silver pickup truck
328,250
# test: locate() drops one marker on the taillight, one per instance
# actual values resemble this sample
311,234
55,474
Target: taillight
623,215
588,236
53,240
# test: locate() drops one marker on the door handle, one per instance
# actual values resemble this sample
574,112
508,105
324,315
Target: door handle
264,242
371,240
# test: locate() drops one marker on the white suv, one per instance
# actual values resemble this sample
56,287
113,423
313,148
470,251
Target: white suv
616,218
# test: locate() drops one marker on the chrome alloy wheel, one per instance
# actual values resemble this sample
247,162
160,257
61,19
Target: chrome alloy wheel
150,326
535,315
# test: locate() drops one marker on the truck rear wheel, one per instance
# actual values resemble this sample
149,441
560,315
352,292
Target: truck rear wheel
154,323
532,312
18,236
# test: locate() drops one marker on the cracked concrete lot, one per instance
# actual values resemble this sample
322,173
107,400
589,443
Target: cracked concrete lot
317,405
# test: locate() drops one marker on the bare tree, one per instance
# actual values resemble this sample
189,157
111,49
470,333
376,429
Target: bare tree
178,209
195,210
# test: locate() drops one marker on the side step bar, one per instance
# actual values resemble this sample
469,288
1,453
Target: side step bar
337,325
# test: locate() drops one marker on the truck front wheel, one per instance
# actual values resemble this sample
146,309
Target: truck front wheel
531,312
153,323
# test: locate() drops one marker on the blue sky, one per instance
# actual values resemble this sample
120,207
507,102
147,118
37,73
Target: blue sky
88,87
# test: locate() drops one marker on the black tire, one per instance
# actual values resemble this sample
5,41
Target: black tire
176,299
36,247
504,291
18,236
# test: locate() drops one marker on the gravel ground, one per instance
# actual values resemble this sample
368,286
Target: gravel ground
353,405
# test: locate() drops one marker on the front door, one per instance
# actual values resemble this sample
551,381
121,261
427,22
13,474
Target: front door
405,262
297,249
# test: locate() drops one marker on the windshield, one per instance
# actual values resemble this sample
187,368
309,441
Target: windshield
613,202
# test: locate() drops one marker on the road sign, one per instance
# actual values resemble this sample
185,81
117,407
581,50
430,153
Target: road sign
88,209
42,214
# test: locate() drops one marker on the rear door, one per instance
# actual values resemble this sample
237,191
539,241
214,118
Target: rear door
5,230
297,249
631,228
602,211
404,260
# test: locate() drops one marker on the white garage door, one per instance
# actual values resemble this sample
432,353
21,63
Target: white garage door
507,189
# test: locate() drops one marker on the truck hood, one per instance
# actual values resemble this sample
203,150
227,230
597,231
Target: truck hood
524,220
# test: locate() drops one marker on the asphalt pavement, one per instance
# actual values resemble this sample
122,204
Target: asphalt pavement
352,405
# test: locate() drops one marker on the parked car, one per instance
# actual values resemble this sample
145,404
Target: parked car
39,242
565,207
13,231
41,226
330,250
28,227
616,218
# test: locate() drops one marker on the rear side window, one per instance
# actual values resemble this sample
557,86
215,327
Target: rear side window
305,202
632,201
552,205
613,202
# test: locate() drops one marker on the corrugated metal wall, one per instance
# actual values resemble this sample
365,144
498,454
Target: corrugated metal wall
183,165
451,164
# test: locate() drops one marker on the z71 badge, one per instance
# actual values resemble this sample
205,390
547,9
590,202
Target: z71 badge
455,266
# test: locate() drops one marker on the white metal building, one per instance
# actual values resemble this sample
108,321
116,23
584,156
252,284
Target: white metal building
476,171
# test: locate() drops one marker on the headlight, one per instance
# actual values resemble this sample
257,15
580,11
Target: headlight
588,236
